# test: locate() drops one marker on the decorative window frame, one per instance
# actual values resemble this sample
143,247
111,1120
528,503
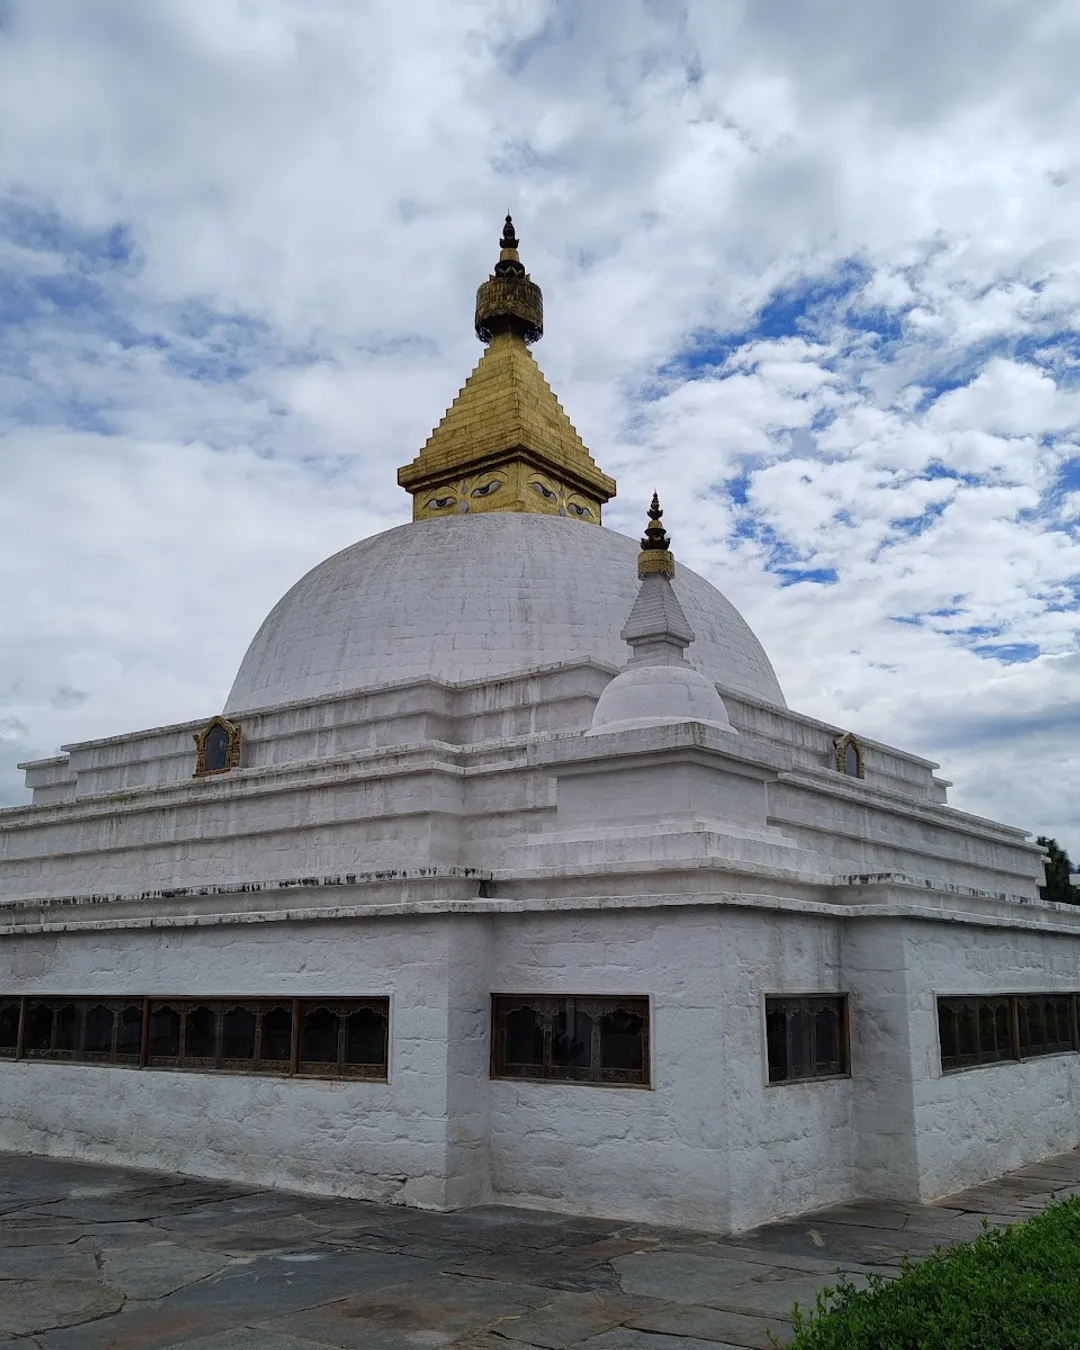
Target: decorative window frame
232,754
54,1028
811,1004
840,754
1013,1039
548,1007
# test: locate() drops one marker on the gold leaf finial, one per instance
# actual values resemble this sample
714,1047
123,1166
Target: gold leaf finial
509,301
655,555
506,443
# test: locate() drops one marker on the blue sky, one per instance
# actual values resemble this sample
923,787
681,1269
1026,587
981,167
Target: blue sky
815,278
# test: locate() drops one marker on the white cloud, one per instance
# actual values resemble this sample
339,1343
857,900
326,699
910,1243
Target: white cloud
303,195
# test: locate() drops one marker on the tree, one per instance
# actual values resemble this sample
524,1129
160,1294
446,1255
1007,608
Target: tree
1058,870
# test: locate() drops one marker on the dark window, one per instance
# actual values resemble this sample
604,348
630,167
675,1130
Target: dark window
9,1027
523,1038
1045,1024
365,1037
806,1037
851,761
164,1033
580,1039
974,1031
319,1036
238,1037
622,1041
332,1038
216,749
277,1036
344,1037
571,1039
200,1034
69,1022
988,1029
98,1033
129,1033
37,1039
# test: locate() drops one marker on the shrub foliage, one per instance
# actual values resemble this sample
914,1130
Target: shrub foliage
1011,1289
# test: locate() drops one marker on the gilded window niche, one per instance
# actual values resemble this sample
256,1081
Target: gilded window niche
849,758
217,747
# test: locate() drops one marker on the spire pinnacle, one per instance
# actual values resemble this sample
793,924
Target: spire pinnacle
655,555
509,301
506,443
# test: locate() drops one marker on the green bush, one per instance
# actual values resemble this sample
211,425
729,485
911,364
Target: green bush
1017,1289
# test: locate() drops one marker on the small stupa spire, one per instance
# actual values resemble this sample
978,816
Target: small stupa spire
658,686
655,555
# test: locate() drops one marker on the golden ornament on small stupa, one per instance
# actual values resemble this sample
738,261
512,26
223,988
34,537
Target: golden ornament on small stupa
655,555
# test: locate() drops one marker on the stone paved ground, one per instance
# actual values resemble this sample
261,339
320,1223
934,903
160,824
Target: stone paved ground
103,1258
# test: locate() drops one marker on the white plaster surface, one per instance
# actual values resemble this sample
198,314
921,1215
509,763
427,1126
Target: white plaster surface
711,1144
471,596
447,830
977,1123
380,1141
652,695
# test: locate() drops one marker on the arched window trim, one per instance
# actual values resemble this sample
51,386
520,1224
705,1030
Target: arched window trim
840,748
232,755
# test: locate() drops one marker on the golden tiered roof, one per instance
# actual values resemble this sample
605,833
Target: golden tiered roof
505,443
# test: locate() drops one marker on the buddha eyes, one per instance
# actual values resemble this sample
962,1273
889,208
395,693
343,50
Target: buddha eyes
487,489
440,503
544,492
580,510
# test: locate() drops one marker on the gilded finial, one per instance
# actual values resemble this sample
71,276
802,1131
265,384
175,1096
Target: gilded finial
655,555
509,301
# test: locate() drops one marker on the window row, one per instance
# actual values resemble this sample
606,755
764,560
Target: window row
992,1028
606,1040
324,1038
571,1038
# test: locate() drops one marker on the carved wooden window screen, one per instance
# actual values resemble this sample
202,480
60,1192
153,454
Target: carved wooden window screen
806,1037
575,1038
317,1038
988,1029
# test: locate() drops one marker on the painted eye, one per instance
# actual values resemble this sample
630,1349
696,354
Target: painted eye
580,510
487,489
440,503
544,492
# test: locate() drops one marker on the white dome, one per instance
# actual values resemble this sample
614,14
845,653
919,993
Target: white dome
656,695
472,597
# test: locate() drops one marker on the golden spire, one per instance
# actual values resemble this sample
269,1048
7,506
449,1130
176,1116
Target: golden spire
655,555
505,443
509,301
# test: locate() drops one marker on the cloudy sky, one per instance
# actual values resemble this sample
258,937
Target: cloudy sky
811,268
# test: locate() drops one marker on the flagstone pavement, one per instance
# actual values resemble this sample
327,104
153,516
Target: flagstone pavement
107,1258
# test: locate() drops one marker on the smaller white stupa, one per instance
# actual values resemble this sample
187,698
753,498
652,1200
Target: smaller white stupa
658,685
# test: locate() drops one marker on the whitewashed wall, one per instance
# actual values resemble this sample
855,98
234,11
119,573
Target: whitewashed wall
977,1123
379,1141
711,1144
